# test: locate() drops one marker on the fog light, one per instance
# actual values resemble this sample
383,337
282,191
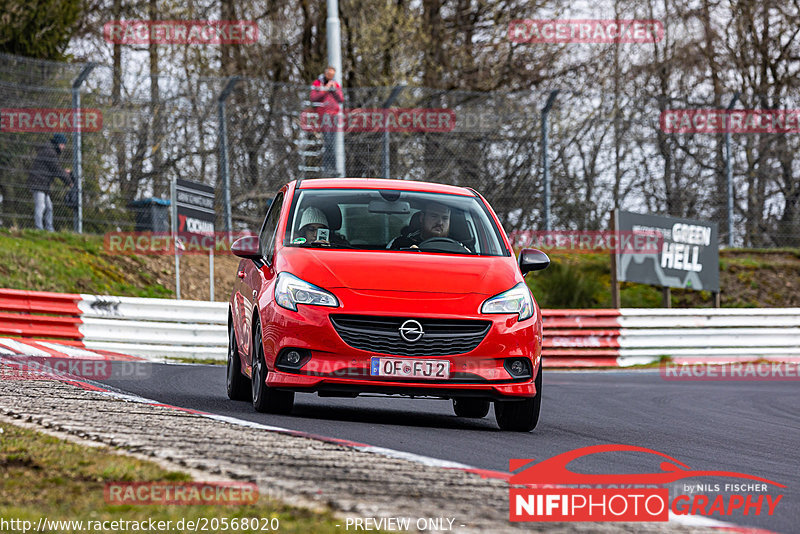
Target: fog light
291,359
518,367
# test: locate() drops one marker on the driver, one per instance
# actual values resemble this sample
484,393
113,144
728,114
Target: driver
435,222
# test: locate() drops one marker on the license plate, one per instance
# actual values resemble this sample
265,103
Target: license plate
402,368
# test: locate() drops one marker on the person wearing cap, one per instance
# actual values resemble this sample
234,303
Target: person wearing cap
45,169
312,220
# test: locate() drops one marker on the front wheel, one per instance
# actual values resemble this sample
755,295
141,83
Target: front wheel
266,399
520,416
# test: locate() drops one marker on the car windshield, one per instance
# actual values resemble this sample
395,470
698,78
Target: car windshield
370,219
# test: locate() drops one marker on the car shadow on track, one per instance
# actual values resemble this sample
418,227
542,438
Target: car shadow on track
388,416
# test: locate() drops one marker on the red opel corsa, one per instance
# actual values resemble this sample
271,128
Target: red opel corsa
386,286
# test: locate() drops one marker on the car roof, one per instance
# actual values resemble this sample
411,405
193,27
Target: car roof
384,183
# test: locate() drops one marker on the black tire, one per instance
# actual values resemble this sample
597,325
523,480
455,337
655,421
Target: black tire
265,399
238,385
520,416
471,407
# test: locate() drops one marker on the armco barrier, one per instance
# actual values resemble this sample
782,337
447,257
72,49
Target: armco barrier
158,328
39,314
630,336
151,328
581,338
155,328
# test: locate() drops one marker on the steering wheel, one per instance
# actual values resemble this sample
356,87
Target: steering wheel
441,241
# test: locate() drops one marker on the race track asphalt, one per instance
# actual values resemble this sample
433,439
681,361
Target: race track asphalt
749,427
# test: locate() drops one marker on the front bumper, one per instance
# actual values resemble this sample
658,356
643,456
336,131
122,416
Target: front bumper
337,368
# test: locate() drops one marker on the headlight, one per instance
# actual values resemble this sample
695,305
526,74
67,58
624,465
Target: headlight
291,291
515,300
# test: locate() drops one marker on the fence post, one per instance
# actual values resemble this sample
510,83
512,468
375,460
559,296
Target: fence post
614,227
728,167
396,90
334,42
545,162
173,201
223,150
77,171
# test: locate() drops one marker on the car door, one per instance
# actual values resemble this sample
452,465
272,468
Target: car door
255,277
237,306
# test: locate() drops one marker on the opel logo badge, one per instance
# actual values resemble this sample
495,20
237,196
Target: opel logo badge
411,330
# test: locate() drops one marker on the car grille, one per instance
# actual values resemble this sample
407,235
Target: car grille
382,335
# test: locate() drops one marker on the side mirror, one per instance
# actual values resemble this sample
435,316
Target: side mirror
248,247
531,259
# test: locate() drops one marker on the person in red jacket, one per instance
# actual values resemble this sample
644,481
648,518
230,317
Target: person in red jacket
326,95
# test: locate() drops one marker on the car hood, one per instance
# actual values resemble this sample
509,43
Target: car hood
401,271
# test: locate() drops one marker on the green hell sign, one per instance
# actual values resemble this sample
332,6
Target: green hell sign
688,255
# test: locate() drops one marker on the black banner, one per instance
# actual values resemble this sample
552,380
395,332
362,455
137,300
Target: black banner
689,255
195,203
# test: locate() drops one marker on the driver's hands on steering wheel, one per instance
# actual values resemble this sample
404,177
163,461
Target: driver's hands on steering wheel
442,239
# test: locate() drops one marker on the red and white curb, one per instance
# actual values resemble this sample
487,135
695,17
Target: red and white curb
56,349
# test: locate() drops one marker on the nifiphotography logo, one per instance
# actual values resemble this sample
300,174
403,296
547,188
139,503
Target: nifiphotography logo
548,491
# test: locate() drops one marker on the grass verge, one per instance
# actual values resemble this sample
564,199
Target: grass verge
42,476
71,263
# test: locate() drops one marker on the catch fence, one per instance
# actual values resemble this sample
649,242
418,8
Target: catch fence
250,136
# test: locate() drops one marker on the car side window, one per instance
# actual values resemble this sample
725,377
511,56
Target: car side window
267,235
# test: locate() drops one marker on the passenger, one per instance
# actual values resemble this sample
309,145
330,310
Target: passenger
311,221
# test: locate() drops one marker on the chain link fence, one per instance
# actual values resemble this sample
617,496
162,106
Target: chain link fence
604,150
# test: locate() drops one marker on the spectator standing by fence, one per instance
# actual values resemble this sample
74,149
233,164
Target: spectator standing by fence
326,95
45,169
